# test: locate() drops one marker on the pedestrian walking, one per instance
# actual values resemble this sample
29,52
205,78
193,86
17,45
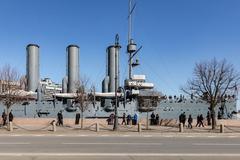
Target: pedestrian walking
135,119
208,118
77,118
10,116
124,119
180,118
190,120
201,121
112,116
129,117
157,119
198,121
60,118
152,119
4,118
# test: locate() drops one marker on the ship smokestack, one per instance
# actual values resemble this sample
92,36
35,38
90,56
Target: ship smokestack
111,68
72,68
112,57
32,67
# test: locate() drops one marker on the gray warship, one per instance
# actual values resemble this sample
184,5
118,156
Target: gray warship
136,96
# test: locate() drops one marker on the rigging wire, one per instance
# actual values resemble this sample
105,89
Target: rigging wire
156,74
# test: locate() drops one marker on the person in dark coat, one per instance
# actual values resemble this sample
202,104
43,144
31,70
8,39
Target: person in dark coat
60,118
201,121
198,121
112,116
180,118
129,117
124,119
190,120
10,116
152,119
77,118
135,119
4,118
157,119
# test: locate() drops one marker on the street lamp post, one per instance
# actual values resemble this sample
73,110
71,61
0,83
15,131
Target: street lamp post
117,47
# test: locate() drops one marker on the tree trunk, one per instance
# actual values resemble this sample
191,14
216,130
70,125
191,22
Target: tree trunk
213,116
8,111
82,121
147,121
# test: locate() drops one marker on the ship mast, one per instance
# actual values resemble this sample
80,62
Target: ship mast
131,47
130,40
129,21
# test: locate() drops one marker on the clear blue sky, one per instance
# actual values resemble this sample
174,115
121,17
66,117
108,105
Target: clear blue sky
175,34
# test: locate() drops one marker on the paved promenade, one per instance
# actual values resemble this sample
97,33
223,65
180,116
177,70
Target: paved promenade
43,125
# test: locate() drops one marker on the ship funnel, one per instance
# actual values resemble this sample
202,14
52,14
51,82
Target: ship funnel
72,68
32,67
112,68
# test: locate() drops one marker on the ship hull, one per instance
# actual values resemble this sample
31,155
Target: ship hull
166,109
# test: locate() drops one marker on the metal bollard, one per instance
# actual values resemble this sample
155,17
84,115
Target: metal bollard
10,127
221,128
181,127
139,127
97,127
54,128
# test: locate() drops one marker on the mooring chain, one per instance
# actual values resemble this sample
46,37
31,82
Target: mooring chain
170,128
105,127
27,129
129,127
89,127
231,129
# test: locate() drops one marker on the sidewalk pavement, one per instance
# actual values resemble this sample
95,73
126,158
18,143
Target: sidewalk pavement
36,126
106,130
71,121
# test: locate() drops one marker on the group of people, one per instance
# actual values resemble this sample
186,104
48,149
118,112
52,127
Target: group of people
60,118
134,119
154,119
126,120
200,119
129,119
4,117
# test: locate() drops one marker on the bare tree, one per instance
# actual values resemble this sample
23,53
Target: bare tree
10,92
212,81
83,98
